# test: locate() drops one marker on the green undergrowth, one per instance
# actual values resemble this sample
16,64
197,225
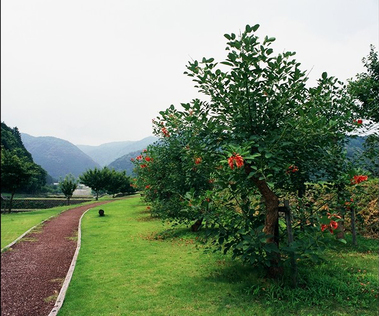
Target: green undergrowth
132,264
14,225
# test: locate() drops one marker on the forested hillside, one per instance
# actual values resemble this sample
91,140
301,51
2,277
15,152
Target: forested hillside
11,142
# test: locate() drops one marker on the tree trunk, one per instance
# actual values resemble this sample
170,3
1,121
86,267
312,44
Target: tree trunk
271,227
196,226
353,229
341,228
272,206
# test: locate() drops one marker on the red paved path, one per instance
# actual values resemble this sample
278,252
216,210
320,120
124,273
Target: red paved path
33,271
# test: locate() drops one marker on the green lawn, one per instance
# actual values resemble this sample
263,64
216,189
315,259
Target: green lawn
14,225
131,264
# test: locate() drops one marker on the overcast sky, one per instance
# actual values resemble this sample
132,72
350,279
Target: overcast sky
91,71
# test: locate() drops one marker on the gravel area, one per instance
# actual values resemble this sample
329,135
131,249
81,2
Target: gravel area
33,270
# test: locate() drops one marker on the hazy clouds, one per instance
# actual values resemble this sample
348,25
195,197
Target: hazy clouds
98,71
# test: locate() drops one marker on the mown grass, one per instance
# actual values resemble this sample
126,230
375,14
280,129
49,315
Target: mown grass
132,264
14,225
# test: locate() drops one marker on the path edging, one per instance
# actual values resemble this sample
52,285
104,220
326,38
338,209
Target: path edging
59,302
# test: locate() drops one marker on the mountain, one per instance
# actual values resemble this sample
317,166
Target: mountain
124,163
107,153
57,156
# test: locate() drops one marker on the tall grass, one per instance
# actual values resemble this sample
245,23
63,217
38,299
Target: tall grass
132,264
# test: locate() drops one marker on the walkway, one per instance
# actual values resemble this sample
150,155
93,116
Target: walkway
33,270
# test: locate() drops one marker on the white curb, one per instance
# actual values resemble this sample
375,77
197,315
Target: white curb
62,293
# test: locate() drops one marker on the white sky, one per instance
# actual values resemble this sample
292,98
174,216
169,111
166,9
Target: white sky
92,71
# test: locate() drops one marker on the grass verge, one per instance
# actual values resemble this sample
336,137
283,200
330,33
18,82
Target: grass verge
14,225
131,264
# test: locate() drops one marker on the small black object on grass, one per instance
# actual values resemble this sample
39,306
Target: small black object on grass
101,212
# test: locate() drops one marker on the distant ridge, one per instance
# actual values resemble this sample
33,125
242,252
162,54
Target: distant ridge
57,156
107,153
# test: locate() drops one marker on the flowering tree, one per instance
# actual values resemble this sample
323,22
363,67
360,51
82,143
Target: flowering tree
172,169
263,130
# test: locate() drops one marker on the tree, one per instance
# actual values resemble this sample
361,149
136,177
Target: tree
365,89
16,173
97,179
119,183
11,141
261,121
170,169
68,185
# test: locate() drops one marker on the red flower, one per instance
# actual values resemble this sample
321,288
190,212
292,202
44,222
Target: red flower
147,158
358,179
165,132
147,187
292,169
143,166
333,224
331,227
237,159
139,157
198,160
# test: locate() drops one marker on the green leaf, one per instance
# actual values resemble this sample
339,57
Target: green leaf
226,63
255,27
252,157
